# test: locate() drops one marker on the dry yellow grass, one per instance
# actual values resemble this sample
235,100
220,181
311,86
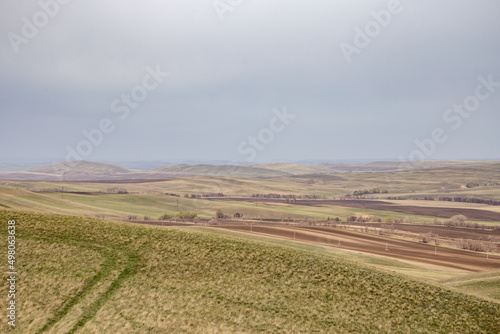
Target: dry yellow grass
118,277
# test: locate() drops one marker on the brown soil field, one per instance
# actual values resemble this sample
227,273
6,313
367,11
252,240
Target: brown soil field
474,214
441,212
373,244
442,231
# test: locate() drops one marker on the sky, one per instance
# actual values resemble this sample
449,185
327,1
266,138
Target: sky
248,80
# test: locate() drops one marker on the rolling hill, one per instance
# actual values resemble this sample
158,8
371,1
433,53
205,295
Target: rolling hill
85,170
67,171
293,169
376,166
220,171
79,167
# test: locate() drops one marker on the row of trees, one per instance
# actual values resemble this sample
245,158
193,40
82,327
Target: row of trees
476,245
180,215
470,200
292,196
204,195
370,191
363,219
474,184
454,199
116,190
461,221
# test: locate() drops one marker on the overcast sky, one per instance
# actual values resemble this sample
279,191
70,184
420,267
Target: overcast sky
305,79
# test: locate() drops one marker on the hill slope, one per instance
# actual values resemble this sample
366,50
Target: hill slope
105,277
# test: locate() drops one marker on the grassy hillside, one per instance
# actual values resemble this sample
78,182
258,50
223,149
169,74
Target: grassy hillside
485,284
90,275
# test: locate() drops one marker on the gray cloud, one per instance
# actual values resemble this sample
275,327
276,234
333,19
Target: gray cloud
227,76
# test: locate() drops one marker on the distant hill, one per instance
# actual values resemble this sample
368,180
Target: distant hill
79,167
227,170
141,165
293,169
431,163
377,166
68,171
86,170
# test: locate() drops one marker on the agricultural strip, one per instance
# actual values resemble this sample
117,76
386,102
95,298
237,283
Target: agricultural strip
373,244
442,212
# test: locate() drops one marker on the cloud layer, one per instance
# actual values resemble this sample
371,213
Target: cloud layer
226,76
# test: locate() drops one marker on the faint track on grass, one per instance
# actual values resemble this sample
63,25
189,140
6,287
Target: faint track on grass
129,271
108,264
107,267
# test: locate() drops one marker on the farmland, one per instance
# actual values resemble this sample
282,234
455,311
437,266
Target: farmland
122,277
441,212
373,244
290,252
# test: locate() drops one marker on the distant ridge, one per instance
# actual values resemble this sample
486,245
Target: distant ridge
95,171
221,171
293,169
69,171
79,167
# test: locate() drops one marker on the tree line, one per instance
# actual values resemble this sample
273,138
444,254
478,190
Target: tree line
461,199
289,196
204,195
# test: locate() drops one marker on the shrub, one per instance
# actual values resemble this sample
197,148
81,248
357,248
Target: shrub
116,191
458,219
186,215
425,237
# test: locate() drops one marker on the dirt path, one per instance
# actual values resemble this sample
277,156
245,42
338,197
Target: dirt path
373,244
